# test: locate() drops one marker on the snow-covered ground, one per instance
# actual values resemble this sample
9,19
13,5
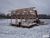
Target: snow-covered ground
7,31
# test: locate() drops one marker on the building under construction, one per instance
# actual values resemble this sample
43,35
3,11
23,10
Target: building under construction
24,17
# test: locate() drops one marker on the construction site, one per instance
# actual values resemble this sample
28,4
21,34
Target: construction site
25,17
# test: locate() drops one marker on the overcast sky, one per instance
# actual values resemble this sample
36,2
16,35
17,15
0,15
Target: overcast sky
42,6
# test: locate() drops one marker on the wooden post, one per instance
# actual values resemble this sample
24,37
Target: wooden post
11,18
36,14
15,20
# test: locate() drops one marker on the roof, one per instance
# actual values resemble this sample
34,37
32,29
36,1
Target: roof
24,13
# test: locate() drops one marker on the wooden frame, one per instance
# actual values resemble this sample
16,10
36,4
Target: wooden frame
27,14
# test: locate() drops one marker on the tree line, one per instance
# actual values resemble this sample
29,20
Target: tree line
40,16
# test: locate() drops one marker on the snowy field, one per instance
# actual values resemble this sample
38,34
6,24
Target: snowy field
7,31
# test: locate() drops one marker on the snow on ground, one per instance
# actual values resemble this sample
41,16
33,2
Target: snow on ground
7,31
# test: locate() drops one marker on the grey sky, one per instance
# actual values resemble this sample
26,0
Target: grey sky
43,6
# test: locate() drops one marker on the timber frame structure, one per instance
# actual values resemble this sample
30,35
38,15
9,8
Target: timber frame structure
25,13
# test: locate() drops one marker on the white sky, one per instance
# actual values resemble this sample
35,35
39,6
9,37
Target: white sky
43,6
